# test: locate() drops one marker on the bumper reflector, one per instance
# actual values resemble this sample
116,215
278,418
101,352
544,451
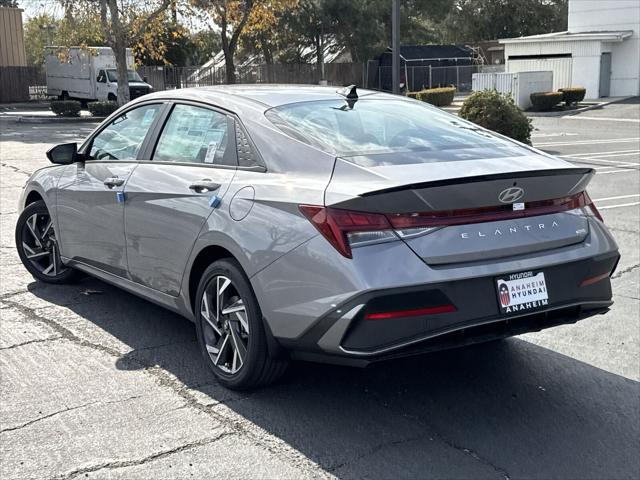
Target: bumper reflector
411,313
591,280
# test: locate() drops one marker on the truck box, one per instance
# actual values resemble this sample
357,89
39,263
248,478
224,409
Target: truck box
88,73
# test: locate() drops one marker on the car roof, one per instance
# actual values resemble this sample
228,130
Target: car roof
267,96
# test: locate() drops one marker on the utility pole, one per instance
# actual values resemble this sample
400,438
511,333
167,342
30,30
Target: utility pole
395,45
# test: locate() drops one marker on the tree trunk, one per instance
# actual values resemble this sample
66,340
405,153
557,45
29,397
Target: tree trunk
119,46
319,56
230,68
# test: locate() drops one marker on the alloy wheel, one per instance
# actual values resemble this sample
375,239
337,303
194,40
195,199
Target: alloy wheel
226,326
40,246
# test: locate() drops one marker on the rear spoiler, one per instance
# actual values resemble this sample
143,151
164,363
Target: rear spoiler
484,178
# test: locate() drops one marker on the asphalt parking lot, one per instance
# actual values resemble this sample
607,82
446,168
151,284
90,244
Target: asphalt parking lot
98,383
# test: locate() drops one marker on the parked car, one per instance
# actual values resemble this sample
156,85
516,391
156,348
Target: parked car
88,74
302,223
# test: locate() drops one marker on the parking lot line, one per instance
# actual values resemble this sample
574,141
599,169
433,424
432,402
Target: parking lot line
616,171
604,119
618,206
617,163
616,198
589,142
615,153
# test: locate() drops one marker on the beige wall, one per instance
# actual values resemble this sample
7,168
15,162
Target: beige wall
11,38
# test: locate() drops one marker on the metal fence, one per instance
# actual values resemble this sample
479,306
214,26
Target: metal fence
25,83
19,84
168,77
421,77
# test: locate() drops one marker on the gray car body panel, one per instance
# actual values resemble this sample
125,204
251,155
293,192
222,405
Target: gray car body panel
298,277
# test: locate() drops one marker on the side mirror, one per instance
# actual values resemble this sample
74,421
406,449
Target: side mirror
64,154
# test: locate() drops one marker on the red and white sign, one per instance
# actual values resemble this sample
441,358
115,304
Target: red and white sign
522,291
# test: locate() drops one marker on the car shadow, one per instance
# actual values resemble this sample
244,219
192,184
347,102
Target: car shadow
507,409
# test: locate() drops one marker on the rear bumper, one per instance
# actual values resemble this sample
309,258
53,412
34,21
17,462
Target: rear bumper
345,336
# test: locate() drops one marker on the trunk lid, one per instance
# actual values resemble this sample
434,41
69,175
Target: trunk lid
456,188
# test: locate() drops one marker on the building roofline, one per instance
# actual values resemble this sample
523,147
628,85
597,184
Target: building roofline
603,36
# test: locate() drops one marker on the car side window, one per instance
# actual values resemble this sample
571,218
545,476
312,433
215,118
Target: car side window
247,153
123,137
195,135
102,77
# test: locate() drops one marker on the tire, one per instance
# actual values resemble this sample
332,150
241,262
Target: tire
64,96
225,357
38,248
112,98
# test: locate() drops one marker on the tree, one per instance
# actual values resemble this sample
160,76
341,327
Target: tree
238,17
123,27
9,3
474,20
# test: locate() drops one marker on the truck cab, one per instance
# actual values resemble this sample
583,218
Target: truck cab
107,84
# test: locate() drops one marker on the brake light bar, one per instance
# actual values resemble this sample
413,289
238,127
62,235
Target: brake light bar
411,313
489,214
336,224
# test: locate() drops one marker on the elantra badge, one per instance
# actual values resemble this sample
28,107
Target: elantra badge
511,195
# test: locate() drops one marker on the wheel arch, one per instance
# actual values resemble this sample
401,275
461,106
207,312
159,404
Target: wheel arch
32,197
205,257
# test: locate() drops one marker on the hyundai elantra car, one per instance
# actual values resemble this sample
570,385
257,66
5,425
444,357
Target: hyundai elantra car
293,222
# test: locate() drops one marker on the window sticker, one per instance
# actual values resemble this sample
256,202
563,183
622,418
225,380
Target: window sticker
211,152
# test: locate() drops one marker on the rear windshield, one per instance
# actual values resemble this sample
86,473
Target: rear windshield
381,126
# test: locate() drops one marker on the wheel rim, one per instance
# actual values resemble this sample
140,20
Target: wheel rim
40,246
226,325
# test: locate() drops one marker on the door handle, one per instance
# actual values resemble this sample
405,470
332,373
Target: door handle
203,186
113,182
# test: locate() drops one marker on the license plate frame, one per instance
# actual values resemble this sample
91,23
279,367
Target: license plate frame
525,292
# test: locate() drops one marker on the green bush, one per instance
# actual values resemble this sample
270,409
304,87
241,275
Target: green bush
545,101
440,97
102,109
497,112
572,95
66,108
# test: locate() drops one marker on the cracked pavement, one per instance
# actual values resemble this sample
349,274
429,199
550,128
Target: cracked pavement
97,383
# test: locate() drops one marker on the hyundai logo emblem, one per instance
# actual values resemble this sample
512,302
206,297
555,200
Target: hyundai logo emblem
511,194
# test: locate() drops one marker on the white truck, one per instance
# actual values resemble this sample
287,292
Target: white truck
88,74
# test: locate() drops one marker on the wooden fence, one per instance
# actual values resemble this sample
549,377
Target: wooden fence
19,84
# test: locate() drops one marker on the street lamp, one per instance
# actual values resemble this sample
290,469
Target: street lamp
395,45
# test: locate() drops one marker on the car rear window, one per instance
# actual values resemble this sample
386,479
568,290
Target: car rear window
382,126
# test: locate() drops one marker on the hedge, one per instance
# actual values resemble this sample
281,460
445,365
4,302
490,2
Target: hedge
440,97
572,95
102,109
497,112
66,108
544,101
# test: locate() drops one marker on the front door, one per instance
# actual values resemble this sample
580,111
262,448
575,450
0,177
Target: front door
605,74
101,86
169,199
90,199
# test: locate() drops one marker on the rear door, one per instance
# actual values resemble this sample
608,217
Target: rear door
90,206
169,198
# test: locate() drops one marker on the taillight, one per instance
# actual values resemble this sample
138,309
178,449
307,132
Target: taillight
592,206
444,218
344,228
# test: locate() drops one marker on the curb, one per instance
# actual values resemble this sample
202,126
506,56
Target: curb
52,119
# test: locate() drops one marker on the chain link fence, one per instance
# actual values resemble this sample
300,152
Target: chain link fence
421,77
169,77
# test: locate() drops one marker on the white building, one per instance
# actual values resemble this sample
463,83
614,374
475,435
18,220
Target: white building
600,51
